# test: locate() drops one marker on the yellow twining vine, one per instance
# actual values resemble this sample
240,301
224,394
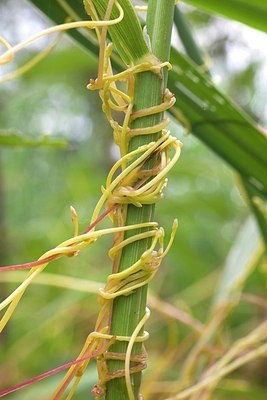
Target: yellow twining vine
128,182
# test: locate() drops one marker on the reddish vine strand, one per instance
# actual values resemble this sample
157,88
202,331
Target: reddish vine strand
32,264
46,374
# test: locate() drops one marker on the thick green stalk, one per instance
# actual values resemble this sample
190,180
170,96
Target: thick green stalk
149,90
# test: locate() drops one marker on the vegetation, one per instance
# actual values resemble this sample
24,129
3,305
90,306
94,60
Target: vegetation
208,326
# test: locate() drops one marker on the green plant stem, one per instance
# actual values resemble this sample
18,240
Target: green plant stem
149,90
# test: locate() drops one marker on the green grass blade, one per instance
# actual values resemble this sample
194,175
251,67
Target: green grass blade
127,35
193,51
186,35
258,204
252,13
242,259
219,123
10,138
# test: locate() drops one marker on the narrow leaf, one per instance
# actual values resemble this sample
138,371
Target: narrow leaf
252,13
243,257
127,35
12,138
194,52
215,120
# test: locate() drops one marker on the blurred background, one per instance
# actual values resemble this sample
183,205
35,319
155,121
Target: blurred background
38,184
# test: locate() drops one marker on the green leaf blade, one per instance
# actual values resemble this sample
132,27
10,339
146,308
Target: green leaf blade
127,35
216,121
252,13
11,138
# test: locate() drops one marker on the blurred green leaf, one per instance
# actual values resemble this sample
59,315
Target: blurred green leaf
243,257
218,122
193,51
252,13
13,138
258,205
241,389
185,32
